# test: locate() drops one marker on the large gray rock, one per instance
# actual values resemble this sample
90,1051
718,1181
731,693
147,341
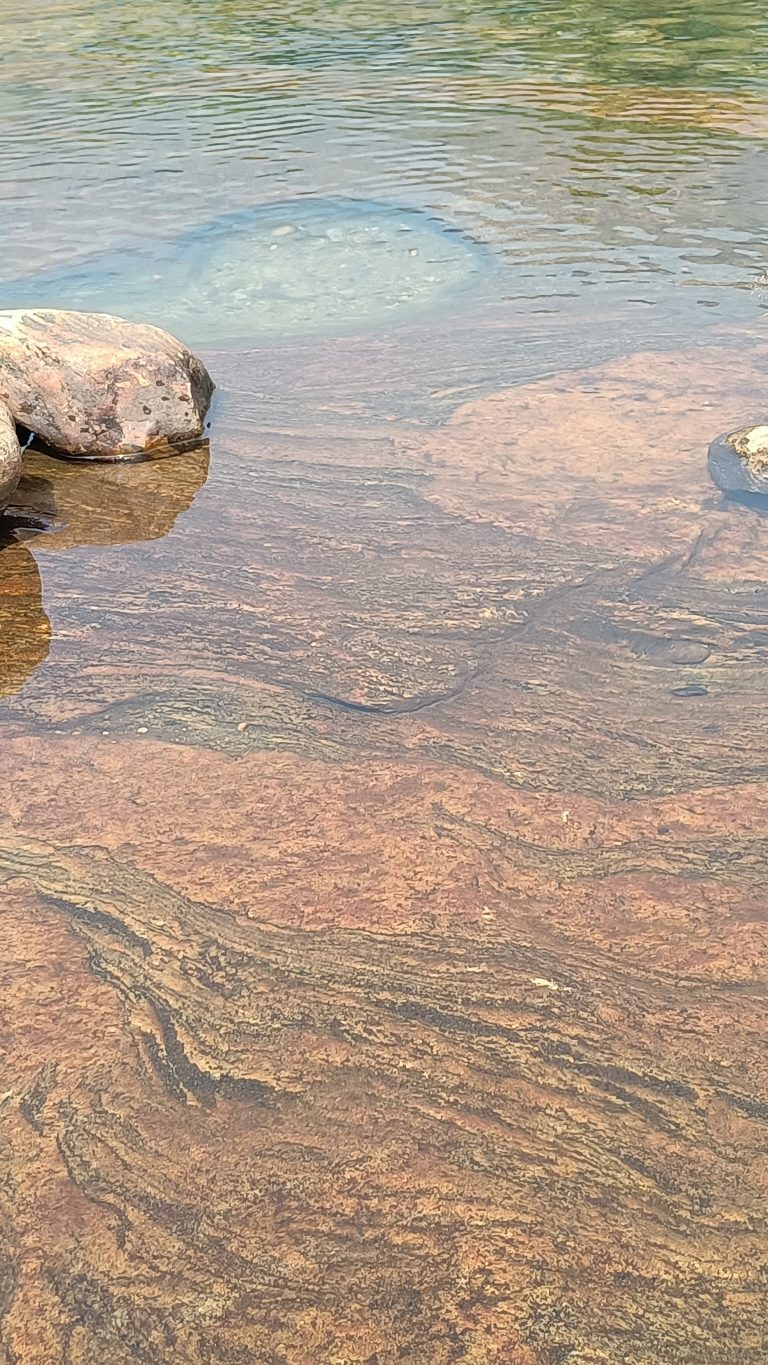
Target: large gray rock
10,457
91,385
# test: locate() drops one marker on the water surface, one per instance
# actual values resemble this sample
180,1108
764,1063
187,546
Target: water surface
383,842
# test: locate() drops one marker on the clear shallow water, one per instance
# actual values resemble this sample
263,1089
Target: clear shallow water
383,954
613,162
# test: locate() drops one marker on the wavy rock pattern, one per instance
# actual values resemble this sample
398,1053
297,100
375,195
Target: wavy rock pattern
382,855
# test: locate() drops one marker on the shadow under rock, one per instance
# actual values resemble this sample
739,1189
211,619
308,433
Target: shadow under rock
25,631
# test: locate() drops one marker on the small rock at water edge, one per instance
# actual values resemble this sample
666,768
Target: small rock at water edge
738,463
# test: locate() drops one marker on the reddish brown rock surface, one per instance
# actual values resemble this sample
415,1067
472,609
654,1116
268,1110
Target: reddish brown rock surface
383,941
96,386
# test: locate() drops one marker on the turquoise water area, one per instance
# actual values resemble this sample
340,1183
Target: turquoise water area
293,268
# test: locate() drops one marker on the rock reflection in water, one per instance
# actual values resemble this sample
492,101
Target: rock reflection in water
108,504
25,631
62,505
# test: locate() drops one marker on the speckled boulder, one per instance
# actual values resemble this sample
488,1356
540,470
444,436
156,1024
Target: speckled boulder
738,462
94,386
10,457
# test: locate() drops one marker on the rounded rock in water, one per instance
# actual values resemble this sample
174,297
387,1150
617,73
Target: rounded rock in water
738,462
98,387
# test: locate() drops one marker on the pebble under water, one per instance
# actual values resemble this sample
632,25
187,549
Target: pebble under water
290,268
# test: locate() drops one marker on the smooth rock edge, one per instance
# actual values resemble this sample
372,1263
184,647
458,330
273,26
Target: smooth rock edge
10,457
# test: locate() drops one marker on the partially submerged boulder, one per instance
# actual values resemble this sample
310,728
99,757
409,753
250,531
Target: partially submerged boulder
97,387
10,457
738,463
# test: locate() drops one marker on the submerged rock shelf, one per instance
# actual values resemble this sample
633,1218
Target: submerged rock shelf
290,268
386,998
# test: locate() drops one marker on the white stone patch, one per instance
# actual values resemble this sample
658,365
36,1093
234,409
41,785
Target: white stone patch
756,440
